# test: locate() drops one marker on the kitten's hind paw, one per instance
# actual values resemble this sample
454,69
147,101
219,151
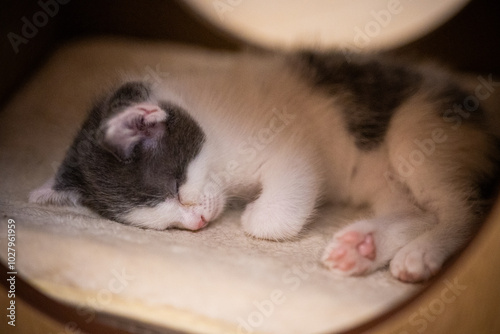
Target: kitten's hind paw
350,253
414,264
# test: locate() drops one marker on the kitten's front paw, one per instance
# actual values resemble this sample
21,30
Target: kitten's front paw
350,253
415,263
265,222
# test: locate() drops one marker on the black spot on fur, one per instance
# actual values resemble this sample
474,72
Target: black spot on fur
113,187
370,88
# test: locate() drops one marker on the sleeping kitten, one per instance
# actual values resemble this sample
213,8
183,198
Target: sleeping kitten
293,131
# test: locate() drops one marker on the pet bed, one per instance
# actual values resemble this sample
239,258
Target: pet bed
215,280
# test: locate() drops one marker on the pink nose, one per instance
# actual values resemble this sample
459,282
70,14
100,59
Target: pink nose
197,226
202,223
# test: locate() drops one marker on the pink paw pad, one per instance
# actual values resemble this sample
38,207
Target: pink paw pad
351,252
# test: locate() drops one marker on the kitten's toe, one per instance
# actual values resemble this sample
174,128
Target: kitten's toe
415,265
350,253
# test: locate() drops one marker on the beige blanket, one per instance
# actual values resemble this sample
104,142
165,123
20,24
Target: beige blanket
216,280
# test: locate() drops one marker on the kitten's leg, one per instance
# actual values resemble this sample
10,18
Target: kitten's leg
422,258
369,244
442,181
415,242
289,192
445,182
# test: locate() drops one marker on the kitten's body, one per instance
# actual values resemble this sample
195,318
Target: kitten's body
293,132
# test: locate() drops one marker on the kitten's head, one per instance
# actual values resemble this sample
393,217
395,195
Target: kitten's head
129,160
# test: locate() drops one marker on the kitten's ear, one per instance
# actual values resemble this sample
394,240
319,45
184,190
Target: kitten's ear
47,194
142,123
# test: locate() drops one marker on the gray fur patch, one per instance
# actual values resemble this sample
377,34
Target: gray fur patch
371,89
